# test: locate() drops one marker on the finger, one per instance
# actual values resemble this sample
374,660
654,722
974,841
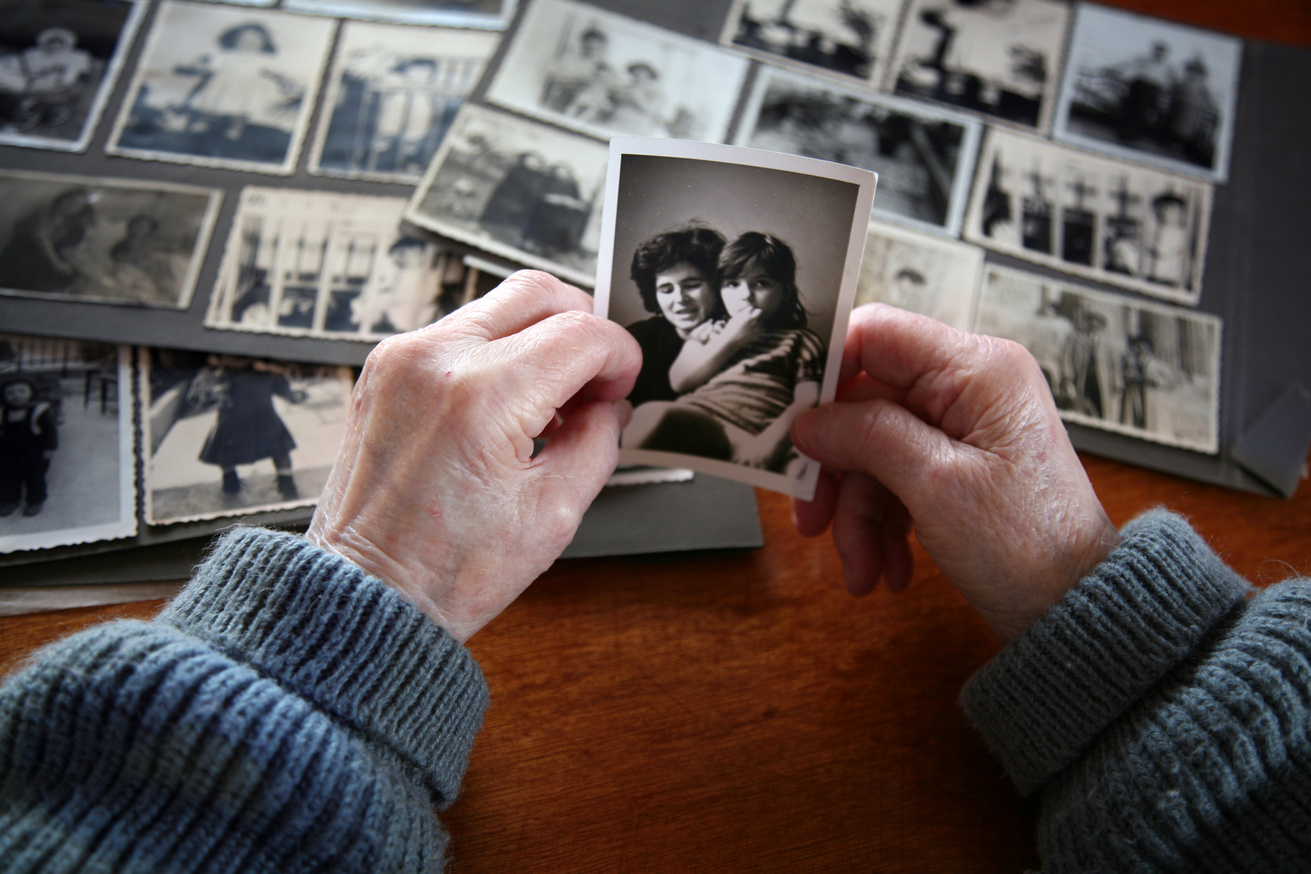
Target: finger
581,455
812,517
862,505
904,350
898,562
523,299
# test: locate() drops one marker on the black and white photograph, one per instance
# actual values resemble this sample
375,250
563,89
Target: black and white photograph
518,190
59,60
920,273
604,74
1113,362
225,435
488,14
113,241
67,443
333,266
735,271
1125,224
924,155
838,37
999,58
1150,90
392,95
223,86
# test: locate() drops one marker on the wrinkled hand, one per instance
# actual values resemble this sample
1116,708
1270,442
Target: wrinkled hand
436,490
957,435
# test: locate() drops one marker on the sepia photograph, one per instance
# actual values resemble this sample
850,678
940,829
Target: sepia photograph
740,307
223,86
1124,224
518,190
999,58
921,273
392,94
59,60
113,241
490,14
581,67
333,266
67,443
839,37
1113,362
924,156
1149,90
224,435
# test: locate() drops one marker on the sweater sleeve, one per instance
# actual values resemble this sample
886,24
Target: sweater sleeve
1161,713
286,712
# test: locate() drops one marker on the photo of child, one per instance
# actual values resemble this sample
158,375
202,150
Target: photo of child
29,436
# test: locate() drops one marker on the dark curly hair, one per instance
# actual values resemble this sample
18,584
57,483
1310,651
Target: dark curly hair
697,246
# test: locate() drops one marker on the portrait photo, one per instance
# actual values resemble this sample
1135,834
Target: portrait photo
921,273
1150,90
924,155
67,443
59,60
224,87
735,270
392,94
492,14
114,241
581,67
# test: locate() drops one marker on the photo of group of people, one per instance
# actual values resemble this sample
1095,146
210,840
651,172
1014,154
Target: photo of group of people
843,37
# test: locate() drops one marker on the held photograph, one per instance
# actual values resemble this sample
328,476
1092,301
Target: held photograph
581,67
924,155
67,443
1113,362
223,86
735,270
1150,90
917,272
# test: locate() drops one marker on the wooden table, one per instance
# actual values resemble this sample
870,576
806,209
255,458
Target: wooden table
741,713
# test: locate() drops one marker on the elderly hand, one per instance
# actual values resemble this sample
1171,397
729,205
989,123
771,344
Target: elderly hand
957,435
436,490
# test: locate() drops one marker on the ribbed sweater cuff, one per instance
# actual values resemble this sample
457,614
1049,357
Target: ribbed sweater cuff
343,640
1044,699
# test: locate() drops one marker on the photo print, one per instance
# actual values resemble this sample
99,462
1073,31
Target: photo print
224,87
1113,362
490,14
1150,90
225,435
1123,224
926,275
603,74
392,95
999,58
67,447
113,241
333,266
519,190
59,60
924,156
843,37
735,270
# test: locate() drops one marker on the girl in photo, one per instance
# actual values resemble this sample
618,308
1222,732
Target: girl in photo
744,378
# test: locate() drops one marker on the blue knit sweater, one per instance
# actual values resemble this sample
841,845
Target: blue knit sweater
289,713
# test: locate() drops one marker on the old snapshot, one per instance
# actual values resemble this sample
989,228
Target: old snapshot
1150,90
67,443
1103,219
999,58
519,190
225,435
490,14
838,37
393,93
924,156
59,60
224,87
1113,362
927,275
109,241
334,266
580,67
740,304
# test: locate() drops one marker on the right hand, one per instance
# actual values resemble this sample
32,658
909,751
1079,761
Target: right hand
957,435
